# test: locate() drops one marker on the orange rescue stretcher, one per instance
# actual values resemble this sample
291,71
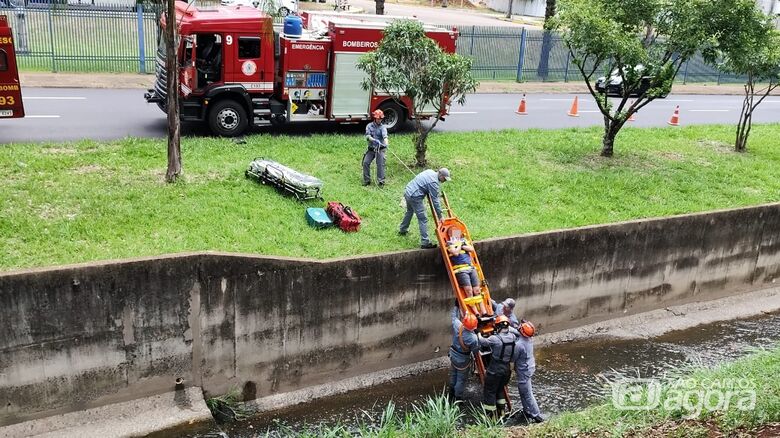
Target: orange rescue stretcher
465,302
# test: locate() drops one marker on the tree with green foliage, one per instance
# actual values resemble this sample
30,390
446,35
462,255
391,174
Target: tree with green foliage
408,63
643,42
749,45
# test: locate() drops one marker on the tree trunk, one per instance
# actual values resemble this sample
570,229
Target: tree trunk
544,56
509,10
380,7
547,42
172,67
611,129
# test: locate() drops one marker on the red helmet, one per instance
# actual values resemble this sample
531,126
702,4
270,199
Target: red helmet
470,321
502,321
527,329
378,113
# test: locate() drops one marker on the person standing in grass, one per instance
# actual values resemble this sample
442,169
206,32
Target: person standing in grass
426,183
525,366
376,136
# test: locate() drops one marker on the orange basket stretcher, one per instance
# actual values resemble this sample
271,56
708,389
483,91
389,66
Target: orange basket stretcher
466,303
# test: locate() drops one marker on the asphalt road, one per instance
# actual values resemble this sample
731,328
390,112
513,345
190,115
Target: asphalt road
57,114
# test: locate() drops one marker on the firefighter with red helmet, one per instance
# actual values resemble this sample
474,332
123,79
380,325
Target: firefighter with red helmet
376,136
503,353
464,343
525,365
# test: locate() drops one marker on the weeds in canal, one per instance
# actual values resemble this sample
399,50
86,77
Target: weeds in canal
738,398
228,407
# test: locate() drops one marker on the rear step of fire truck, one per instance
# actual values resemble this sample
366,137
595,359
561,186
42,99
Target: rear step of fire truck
465,303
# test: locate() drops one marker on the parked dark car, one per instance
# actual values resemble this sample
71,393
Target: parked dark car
614,88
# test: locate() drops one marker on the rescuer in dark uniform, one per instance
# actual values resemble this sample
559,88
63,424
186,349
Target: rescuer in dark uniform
504,352
464,343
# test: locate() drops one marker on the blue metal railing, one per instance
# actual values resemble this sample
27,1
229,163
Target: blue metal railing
122,37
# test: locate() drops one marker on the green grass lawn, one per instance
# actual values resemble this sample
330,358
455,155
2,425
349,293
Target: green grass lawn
757,372
76,202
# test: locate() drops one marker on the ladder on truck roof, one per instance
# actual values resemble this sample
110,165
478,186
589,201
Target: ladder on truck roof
465,303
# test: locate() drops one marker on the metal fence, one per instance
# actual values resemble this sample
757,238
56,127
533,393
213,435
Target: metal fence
123,38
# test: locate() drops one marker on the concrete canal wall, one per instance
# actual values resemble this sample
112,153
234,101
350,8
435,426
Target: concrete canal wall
82,336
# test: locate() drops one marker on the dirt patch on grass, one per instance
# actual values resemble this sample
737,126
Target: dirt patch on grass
50,212
90,168
717,146
56,150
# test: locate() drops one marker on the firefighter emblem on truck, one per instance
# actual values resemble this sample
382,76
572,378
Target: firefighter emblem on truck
249,68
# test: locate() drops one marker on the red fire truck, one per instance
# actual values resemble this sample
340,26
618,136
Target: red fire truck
10,91
238,71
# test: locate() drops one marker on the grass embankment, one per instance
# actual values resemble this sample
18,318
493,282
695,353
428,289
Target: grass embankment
76,202
757,372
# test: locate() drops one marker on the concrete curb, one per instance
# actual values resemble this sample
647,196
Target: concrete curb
178,410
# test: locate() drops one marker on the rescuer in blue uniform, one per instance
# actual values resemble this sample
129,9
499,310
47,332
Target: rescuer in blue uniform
503,348
525,365
426,183
464,343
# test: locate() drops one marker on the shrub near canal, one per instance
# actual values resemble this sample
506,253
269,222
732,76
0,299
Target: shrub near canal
699,416
83,201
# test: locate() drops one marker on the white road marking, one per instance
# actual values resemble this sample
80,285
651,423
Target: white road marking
52,98
710,111
42,117
463,112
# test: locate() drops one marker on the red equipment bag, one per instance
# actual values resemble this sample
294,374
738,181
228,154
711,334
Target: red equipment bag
343,216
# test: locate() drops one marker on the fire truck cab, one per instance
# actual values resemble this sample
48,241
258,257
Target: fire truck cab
237,70
10,91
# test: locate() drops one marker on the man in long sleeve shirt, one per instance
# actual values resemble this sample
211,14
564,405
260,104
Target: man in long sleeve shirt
426,183
376,136
464,344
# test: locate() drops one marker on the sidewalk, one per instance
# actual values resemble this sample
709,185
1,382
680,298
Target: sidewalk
143,82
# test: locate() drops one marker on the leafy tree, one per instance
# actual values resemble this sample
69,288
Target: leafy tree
637,40
172,67
749,45
408,63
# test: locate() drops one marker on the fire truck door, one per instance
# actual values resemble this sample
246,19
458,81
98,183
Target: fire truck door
189,76
10,91
248,67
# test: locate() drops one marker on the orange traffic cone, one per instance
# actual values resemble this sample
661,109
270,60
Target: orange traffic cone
521,109
631,118
574,111
675,120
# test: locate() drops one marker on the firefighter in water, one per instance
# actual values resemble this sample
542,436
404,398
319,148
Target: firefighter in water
376,136
504,353
525,366
464,343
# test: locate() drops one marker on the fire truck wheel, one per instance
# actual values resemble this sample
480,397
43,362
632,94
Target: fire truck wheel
227,118
395,116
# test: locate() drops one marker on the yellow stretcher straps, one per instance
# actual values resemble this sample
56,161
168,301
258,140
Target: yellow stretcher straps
459,268
471,301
